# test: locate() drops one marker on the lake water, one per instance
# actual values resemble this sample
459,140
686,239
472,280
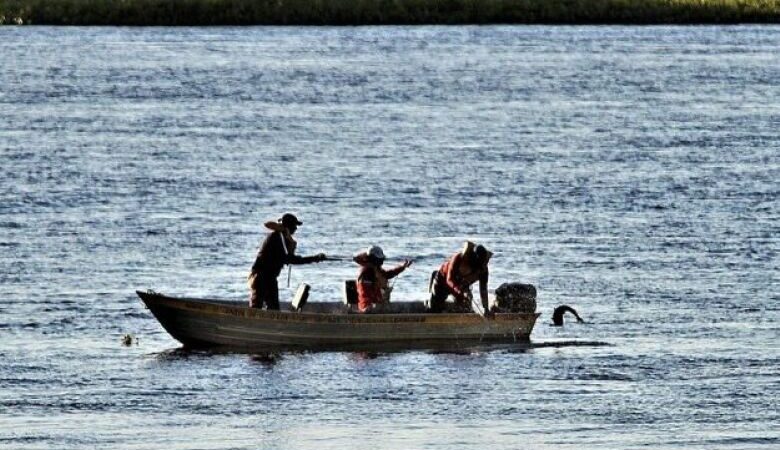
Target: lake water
631,172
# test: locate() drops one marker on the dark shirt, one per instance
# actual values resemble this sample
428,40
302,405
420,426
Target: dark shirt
274,254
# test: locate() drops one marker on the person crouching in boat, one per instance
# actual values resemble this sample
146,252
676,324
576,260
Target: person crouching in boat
372,286
456,276
277,249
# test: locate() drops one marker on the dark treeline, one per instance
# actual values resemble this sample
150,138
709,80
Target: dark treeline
378,12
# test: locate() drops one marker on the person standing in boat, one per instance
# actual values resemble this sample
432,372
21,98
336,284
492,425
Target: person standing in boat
456,276
277,249
372,282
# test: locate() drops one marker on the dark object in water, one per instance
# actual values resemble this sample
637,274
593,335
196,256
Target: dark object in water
127,340
557,317
516,298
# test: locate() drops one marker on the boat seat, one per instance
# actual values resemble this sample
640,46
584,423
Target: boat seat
350,292
301,297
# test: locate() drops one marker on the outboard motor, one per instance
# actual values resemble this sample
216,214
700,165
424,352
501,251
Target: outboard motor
516,298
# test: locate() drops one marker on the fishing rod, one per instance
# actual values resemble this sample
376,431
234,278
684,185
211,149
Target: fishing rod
352,259
338,258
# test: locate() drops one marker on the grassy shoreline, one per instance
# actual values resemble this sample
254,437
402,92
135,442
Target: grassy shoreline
384,12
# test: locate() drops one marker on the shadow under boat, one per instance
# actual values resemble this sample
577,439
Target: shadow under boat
272,354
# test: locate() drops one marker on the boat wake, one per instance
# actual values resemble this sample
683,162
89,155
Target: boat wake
524,347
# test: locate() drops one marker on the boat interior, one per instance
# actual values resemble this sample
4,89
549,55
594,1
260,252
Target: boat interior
343,308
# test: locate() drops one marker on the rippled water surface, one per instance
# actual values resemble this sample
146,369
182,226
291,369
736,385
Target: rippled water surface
629,172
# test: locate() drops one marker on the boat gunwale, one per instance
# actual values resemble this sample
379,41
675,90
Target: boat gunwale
225,308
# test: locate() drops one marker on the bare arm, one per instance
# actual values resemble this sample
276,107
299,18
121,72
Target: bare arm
397,270
451,282
483,288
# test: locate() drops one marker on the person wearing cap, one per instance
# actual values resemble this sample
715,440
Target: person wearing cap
372,286
277,249
456,276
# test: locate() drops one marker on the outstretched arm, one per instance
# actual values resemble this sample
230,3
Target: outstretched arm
295,259
397,270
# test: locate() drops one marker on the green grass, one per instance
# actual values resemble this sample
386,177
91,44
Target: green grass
385,12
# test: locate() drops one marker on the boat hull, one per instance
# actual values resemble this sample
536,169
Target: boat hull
202,323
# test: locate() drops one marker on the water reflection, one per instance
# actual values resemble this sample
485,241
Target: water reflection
363,356
273,357
266,359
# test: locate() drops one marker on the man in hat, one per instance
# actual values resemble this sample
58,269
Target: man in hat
277,249
456,276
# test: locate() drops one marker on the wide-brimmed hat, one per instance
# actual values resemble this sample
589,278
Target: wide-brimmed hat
375,251
371,256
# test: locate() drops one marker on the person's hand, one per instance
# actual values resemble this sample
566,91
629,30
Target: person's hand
407,263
